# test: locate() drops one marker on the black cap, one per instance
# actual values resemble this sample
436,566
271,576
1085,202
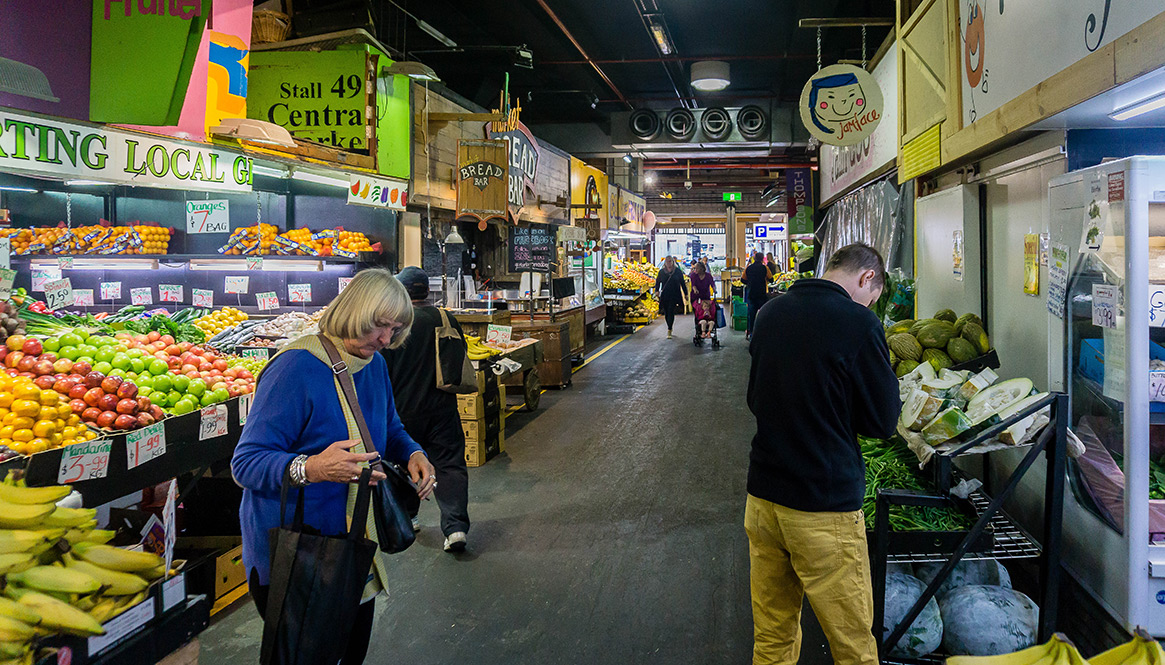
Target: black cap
415,281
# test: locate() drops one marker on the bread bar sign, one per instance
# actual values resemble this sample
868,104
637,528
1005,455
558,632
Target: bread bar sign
841,105
482,179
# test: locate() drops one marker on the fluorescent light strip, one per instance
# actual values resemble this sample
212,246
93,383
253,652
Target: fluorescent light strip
268,171
87,183
18,189
108,263
269,264
308,176
1139,108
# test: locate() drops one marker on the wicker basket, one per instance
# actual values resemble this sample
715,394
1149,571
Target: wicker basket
269,26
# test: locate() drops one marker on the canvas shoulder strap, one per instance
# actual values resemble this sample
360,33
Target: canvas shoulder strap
344,377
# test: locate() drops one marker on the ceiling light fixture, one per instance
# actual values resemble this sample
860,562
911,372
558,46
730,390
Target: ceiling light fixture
710,75
523,57
417,71
435,34
255,131
28,190
100,264
308,176
270,172
454,238
627,158
649,179
659,34
86,183
1139,108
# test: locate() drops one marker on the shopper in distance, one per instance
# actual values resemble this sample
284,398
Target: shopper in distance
430,414
298,411
671,291
703,296
820,376
756,288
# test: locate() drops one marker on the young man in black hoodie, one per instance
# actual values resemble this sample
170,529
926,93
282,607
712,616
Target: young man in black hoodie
820,376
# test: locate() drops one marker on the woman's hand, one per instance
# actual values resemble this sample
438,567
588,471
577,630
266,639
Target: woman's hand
336,465
422,474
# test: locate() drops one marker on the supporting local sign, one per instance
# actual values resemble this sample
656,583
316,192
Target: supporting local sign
366,190
841,105
40,146
482,179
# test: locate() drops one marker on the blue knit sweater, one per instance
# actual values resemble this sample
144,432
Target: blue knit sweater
297,412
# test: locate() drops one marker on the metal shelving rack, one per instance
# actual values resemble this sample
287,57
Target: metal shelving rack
1010,541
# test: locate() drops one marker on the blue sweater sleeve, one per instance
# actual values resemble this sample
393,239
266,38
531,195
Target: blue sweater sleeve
399,445
277,418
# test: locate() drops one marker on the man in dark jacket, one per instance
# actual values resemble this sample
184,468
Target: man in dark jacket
756,288
820,376
430,415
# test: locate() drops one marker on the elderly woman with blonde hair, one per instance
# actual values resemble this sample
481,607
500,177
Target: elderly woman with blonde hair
300,426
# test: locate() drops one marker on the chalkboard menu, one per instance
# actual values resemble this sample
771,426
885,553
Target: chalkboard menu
531,248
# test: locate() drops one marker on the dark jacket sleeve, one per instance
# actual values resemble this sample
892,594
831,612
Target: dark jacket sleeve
876,405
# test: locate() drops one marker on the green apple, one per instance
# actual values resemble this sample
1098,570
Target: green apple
104,354
158,367
196,387
183,406
137,364
207,399
181,383
221,395
120,361
70,339
161,382
52,344
173,397
103,367
70,352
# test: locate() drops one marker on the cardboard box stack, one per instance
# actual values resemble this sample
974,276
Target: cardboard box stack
483,419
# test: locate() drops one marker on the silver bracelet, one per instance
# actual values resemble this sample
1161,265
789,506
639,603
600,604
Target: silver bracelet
298,471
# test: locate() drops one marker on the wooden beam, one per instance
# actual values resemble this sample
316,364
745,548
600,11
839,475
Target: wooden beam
1141,51
909,25
954,119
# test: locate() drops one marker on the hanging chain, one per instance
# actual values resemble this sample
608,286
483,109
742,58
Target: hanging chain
69,209
258,212
864,60
818,49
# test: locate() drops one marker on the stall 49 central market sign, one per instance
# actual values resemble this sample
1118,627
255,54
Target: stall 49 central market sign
46,147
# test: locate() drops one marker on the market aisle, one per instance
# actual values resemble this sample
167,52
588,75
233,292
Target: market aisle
609,532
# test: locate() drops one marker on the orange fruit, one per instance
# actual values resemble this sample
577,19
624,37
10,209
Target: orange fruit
6,431
48,413
37,445
23,422
49,398
26,407
26,391
8,418
44,428
23,435
64,410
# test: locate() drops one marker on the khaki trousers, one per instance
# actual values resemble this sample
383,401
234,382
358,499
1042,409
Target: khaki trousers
820,555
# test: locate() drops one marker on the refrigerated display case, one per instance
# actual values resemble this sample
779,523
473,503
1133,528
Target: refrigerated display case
1111,218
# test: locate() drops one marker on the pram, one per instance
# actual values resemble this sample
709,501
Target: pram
713,314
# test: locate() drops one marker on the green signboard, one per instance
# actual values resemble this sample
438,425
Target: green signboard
319,97
732,197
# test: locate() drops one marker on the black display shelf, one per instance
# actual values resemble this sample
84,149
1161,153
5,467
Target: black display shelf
364,257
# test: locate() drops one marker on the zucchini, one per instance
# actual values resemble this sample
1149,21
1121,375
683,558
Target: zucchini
994,399
942,388
946,426
912,408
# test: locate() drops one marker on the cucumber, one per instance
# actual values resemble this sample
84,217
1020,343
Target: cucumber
994,399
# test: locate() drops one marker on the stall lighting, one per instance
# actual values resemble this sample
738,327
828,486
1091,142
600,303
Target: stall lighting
417,71
109,263
268,171
255,131
454,238
87,183
659,34
627,158
649,179
278,265
308,176
710,75
435,34
1139,108
18,189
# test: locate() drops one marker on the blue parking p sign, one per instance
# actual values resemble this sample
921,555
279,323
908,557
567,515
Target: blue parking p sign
760,231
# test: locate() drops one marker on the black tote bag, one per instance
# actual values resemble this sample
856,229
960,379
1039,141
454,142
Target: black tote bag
316,585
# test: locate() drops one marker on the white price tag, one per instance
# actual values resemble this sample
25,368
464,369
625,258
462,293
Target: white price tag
299,292
267,300
5,253
84,461
170,292
1157,386
256,353
122,625
254,263
237,284
214,422
141,296
42,275
145,444
244,404
1104,303
173,591
344,282
208,216
65,262
499,334
1156,305
58,294
83,297
110,290
7,277
203,298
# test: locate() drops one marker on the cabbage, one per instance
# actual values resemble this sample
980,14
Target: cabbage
966,573
987,621
926,633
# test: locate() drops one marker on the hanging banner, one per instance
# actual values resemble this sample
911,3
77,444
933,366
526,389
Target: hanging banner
482,179
59,149
841,105
799,198
373,192
845,167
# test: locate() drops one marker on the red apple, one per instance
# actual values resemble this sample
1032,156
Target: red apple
154,335
49,356
63,385
231,373
78,391
217,385
127,390
234,390
173,350
141,339
94,379
144,404
44,382
12,371
125,421
110,384
27,363
106,419
187,368
63,365
90,415
107,402
157,412
43,367
129,406
167,339
32,347
245,374
146,419
174,363
205,365
3,353
27,375
13,359
82,368
78,406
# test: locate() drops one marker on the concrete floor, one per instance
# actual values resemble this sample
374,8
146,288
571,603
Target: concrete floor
610,530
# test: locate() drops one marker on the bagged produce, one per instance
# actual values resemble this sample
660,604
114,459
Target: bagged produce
966,573
987,621
926,633
946,426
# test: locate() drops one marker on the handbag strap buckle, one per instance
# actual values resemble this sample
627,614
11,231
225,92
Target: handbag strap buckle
340,367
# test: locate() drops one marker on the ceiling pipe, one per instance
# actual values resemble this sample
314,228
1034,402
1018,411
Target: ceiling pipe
583,53
648,166
694,58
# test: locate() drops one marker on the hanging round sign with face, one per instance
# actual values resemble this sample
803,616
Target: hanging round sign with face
841,105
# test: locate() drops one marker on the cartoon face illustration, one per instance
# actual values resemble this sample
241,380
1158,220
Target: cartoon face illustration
974,41
836,99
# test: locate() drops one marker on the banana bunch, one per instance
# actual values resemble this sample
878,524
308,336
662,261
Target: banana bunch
1057,651
477,349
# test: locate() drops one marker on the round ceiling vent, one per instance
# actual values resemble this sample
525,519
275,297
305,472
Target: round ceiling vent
716,123
644,124
680,124
752,122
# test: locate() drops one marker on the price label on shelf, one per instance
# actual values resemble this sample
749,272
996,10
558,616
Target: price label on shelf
170,292
254,263
145,444
267,300
84,461
237,284
110,290
1157,386
214,422
256,353
344,282
58,294
1104,303
141,296
203,298
244,406
5,253
42,275
299,292
7,277
83,297
65,262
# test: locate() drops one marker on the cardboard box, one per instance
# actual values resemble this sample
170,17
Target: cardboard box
476,406
477,453
229,572
478,431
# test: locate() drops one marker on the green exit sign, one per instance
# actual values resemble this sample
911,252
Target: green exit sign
732,196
